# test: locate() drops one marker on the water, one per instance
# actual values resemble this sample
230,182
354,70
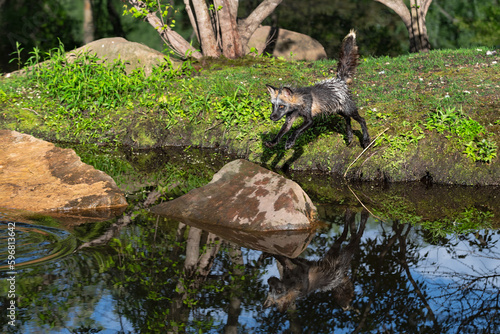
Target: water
140,273
34,244
136,283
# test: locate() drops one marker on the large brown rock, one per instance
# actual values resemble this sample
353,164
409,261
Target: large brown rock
287,44
35,175
108,50
245,196
133,54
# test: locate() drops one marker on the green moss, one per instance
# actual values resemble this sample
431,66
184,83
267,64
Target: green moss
224,103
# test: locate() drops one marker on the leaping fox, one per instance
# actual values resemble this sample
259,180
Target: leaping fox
328,97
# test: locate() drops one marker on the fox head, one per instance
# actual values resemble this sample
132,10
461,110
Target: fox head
281,99
280,295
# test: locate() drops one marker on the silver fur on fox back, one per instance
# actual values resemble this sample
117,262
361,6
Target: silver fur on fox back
333,95
348,59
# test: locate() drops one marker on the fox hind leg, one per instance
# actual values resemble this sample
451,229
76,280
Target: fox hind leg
348,129
366,136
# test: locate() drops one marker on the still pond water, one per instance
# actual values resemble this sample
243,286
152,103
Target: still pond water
357,273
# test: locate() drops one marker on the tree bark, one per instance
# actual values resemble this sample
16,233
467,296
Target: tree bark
192,250
170,37
414,20
231,40
192,19
234,306
88,22
247,26
205,31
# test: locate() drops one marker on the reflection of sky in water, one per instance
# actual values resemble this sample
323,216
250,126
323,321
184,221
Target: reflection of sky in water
461,277
104,315
443,271
463,258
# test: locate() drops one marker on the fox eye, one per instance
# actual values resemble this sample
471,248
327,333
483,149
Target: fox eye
281,106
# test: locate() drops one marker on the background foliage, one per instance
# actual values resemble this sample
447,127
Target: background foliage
451,24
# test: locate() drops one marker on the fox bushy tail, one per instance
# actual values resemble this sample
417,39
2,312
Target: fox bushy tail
349,57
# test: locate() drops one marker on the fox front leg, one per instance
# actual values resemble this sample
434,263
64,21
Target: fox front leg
308,122
284,129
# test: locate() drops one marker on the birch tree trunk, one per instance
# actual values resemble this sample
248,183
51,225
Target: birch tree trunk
414,20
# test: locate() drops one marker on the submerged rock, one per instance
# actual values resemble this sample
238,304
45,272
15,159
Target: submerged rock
245,196
36,175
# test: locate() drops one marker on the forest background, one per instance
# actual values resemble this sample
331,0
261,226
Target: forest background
450,23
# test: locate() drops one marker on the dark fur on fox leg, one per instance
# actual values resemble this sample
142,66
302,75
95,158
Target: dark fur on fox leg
328,97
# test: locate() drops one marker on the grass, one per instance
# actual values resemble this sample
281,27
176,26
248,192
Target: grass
446,96
444,103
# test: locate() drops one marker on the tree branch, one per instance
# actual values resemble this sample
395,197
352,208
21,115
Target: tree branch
189,11
170,37
400,8
248,25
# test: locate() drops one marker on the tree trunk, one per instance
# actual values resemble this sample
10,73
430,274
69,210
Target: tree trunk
218,34
114,19
192,19
205,31
414,20
234,306
231,40
192,250
88,22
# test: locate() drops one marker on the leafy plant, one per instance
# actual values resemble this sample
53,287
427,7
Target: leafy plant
468,132
17,53
466,221
239,108
483,150
399,144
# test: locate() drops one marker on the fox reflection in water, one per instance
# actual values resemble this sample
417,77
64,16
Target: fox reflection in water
300,277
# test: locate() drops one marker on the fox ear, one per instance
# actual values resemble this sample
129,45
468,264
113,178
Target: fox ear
286,91
272,90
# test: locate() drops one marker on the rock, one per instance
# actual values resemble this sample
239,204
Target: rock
36,175
282,43
133,54
244,196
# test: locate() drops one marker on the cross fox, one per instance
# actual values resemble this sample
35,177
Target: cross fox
300,277
330,96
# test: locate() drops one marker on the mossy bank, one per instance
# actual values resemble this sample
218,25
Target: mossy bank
435,115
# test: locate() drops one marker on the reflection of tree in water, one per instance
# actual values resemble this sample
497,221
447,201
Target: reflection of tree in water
163,276
392,297
470,295
179,278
